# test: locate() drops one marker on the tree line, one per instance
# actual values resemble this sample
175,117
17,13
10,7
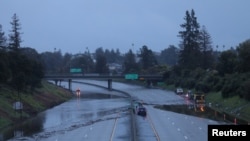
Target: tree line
194,64
20,68
203,69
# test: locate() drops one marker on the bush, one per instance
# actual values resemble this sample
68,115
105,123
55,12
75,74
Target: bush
189,83
245,90
202,87
231,85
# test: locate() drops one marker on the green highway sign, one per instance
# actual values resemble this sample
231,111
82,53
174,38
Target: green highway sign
75,70
131,76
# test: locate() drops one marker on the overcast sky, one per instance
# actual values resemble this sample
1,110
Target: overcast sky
74,25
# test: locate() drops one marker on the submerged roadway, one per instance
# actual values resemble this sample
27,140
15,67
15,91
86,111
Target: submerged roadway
109,118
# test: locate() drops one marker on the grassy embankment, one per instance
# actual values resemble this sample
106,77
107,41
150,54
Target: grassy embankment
34,102
229,109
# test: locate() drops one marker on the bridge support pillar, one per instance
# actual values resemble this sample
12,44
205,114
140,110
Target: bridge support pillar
70,84
110,84
149,83
56,82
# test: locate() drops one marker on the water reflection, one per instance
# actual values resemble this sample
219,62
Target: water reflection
25,128
80,109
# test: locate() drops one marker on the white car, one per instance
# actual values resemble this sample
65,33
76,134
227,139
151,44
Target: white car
179,91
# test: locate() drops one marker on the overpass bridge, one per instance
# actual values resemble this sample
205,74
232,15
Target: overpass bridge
69,77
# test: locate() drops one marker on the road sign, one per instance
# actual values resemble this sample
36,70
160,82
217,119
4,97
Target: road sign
75,70
131,76
18,105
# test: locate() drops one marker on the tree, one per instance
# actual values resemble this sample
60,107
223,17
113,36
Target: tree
244,56
147,58
169,56
15,35
227,62
130,65
17,68
90,65
119,57
20,68
101,62
206,49
190,54
83,61
30,53
52,62
33,69
113,56
2,38
4,70
4,66
109,55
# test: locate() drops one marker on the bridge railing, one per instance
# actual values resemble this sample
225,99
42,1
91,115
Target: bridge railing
107,76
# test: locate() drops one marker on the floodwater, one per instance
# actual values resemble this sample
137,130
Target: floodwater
89,107
82,117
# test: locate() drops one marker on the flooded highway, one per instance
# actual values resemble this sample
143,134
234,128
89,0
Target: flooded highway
102,114
91,111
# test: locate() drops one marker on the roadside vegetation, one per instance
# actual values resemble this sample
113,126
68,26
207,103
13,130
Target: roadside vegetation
235,107
217,107
38,100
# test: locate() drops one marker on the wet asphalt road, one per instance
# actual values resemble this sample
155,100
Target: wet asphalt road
100,114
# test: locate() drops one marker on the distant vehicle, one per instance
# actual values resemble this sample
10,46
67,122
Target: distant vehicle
189,95
136,104
138,108
142,111
179,91
199,101
78,92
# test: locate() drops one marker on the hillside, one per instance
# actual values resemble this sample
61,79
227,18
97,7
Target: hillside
228,108
33,102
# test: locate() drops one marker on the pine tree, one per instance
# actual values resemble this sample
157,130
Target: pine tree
190,53
2,38
15,35
101,62
169,55
206,49
147,58
130,65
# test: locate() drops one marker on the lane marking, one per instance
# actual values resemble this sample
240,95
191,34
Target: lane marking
153,128
114,127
